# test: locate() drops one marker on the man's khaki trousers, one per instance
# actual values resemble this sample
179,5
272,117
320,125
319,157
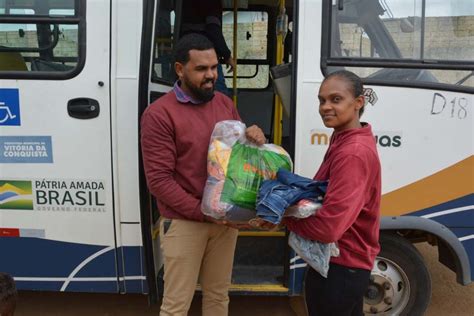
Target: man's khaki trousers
196,252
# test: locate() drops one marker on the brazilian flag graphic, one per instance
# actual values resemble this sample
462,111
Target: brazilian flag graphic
16,195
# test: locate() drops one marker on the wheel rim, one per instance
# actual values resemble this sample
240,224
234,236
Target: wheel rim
389,289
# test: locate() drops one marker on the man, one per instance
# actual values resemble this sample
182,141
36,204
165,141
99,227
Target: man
205,17
8,295
175,136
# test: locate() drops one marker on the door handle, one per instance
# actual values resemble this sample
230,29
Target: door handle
83,108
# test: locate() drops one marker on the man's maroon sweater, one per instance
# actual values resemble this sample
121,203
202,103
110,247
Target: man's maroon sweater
175,140
350,214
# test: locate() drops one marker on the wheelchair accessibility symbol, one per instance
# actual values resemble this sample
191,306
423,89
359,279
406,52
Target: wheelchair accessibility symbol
8,114
9,107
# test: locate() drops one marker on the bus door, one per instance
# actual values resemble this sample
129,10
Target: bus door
56,189
260,262
264,252
157,77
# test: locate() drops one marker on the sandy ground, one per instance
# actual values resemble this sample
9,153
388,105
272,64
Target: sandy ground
448,298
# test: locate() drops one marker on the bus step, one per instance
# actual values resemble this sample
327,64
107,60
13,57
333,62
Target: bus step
258,274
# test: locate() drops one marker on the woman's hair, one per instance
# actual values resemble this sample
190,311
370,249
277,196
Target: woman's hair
354,81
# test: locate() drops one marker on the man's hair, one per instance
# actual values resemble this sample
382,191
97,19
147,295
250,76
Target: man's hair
354,82
8,293
189,42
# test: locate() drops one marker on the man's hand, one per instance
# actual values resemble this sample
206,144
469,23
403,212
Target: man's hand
210,219
264,225
255,135
230,62
239,226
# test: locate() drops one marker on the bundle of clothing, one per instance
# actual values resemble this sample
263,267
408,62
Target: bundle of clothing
293,195
236,168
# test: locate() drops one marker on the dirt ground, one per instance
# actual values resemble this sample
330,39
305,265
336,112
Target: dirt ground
448,299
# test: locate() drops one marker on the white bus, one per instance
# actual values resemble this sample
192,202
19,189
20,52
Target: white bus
75,76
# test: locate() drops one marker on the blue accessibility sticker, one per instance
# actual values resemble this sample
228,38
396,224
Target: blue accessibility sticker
9,107
26,149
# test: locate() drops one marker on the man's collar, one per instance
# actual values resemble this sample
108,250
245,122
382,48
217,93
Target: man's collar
181,96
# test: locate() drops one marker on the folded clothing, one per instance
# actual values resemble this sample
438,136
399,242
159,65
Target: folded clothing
314,253
293,195
276,196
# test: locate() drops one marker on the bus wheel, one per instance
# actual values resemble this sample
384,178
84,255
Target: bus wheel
400,283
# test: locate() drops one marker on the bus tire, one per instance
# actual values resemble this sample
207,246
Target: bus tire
400,283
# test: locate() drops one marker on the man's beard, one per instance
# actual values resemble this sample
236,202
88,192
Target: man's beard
199,93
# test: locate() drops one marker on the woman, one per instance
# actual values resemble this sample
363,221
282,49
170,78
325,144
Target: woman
350,212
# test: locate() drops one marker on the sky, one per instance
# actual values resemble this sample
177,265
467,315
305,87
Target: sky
404,8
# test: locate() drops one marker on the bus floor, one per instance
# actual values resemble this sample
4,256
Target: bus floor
448,298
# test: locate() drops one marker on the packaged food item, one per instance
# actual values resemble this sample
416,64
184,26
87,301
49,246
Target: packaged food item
236,168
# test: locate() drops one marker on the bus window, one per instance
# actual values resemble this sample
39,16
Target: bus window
439,34
40,38
252,48
19,11
163,65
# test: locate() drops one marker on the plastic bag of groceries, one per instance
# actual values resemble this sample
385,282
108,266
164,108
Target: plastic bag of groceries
236,168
